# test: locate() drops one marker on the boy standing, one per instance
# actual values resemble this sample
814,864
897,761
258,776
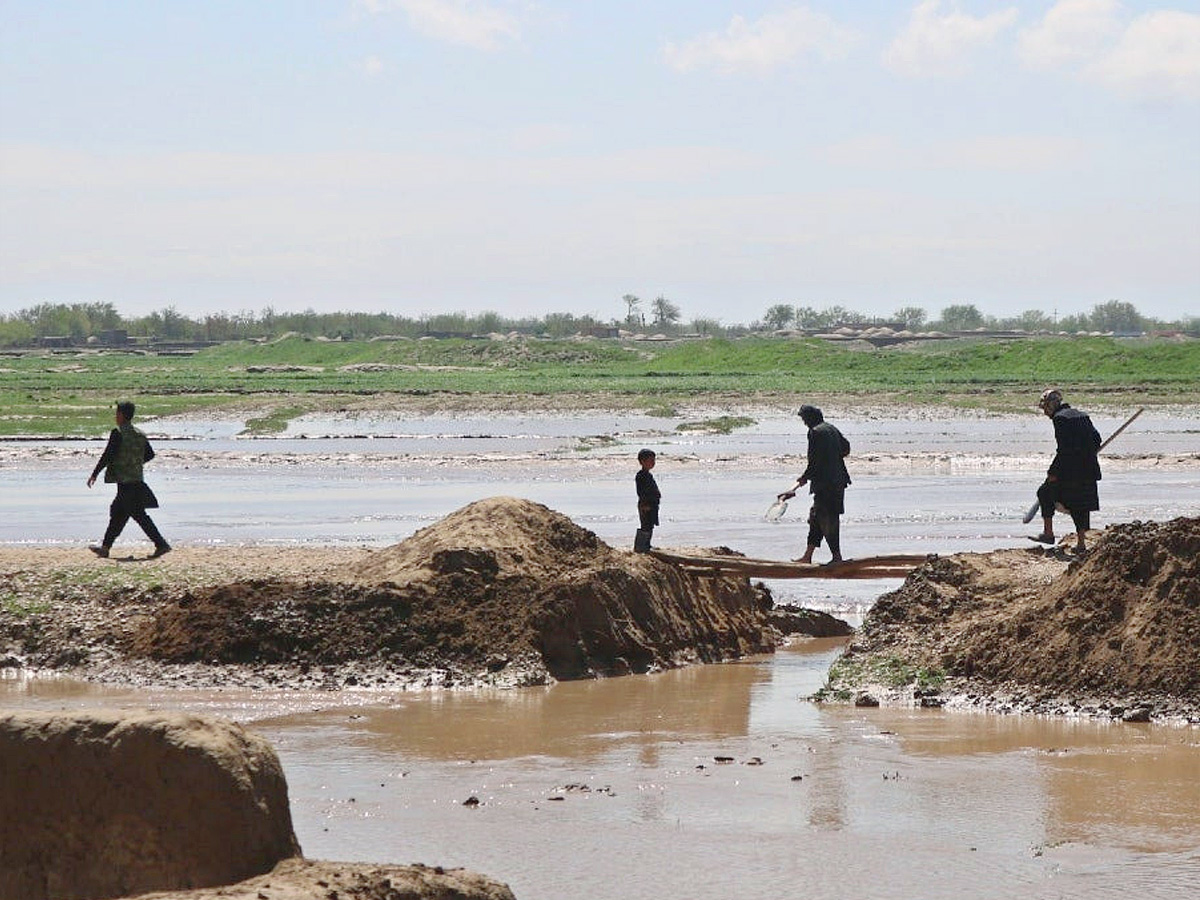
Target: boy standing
649,498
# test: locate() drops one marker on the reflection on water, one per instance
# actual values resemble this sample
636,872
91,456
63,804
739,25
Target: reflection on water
720,781
581,720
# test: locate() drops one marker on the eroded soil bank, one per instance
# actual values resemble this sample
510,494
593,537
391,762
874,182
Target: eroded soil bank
503,591
1115,634
308,879
109,803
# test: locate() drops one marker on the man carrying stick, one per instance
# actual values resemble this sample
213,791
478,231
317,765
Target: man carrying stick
1071,479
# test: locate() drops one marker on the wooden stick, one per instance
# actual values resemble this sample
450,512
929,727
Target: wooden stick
894,566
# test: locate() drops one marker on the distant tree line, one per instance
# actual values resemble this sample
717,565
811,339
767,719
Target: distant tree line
1116,316
80,322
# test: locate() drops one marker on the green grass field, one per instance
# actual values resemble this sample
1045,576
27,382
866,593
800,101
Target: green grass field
71,393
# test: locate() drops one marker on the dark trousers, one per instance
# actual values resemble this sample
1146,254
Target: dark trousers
130,503
1050,494
825,521
647,519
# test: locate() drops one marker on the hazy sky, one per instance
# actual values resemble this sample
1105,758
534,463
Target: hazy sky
419,156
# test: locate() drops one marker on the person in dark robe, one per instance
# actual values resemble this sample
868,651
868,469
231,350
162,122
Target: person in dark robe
827,478
1074,471
127,451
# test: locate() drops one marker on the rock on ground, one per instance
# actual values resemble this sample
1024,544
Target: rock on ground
107,804
790,619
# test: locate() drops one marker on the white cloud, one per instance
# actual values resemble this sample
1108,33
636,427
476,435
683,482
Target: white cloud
371,66
935,44
36,168
772,41
987,153
1071,31
1015,153
484,26
1157,57
1154,56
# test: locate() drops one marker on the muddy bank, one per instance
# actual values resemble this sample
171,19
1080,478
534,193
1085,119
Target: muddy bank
308,879
503,592
106,804
109,803
1113,635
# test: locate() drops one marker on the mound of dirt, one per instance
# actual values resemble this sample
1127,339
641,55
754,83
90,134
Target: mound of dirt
111,803
498,581
1122,623
497,533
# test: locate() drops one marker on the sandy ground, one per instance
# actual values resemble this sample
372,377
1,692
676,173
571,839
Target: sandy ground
191,566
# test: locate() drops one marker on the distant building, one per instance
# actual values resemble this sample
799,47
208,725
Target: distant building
114,337
602,331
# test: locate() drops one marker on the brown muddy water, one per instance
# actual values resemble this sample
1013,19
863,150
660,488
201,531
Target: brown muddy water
720,782
709,782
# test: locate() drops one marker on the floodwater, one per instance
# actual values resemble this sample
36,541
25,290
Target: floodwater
709,782
616,788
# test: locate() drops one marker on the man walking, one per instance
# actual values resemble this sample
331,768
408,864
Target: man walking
123,457
828,479
1074,471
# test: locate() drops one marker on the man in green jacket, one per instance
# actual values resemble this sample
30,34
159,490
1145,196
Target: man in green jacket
123,457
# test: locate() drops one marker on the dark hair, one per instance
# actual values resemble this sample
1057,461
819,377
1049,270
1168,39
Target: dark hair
126,408
811,415
645,454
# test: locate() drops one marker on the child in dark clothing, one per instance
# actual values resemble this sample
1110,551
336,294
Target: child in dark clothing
648,499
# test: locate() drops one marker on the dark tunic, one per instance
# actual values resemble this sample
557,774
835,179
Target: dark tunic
826,473
649,498
132,492
1076,465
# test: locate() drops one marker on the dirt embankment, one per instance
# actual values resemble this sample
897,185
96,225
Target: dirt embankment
308,879
503,591
107,803
1115,634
